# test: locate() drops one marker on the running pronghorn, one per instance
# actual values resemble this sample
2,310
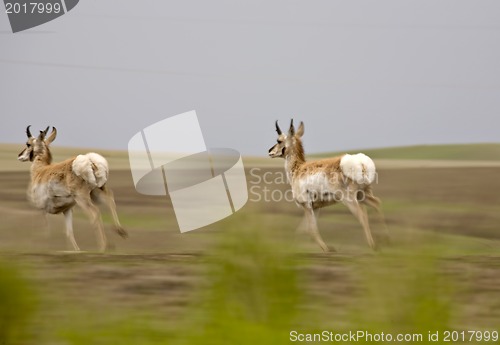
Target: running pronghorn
316,184
56,188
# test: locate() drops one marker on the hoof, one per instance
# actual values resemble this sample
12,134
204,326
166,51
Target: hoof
121,231
329,250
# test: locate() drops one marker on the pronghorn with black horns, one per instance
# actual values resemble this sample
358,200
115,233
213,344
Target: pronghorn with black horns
56,188
346,179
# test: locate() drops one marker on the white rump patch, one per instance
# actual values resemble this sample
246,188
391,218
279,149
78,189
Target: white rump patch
91,167
359,168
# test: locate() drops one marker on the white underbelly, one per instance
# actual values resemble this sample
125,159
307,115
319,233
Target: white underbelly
51,197
312,187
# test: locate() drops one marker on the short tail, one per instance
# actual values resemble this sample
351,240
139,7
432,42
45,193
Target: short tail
93,168
359,168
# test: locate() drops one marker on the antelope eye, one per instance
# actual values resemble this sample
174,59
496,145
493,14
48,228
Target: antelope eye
29,145
279,141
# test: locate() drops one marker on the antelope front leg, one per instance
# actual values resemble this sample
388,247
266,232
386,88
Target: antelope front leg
46,224
312,226
303,226
68,217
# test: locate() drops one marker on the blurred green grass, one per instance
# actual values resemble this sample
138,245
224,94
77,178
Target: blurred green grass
254,292
17,304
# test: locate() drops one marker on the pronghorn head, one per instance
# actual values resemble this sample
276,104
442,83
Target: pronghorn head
37,146
286,142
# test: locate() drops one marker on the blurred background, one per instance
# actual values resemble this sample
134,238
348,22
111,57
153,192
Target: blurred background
392,72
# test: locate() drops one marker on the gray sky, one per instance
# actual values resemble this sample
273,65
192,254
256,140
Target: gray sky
359,73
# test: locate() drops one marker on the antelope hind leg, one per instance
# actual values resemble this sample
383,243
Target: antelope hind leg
375,203
360,213
95,217
110,202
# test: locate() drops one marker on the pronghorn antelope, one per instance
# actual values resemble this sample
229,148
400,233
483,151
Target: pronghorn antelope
56,188
316,184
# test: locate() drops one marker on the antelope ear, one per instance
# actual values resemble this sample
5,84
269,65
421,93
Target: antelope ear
291,131
52,136
41,136
300,130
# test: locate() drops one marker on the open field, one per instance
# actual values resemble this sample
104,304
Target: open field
459,152
251,275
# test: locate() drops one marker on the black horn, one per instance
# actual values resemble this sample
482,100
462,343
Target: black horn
28,133
292,129
278,130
